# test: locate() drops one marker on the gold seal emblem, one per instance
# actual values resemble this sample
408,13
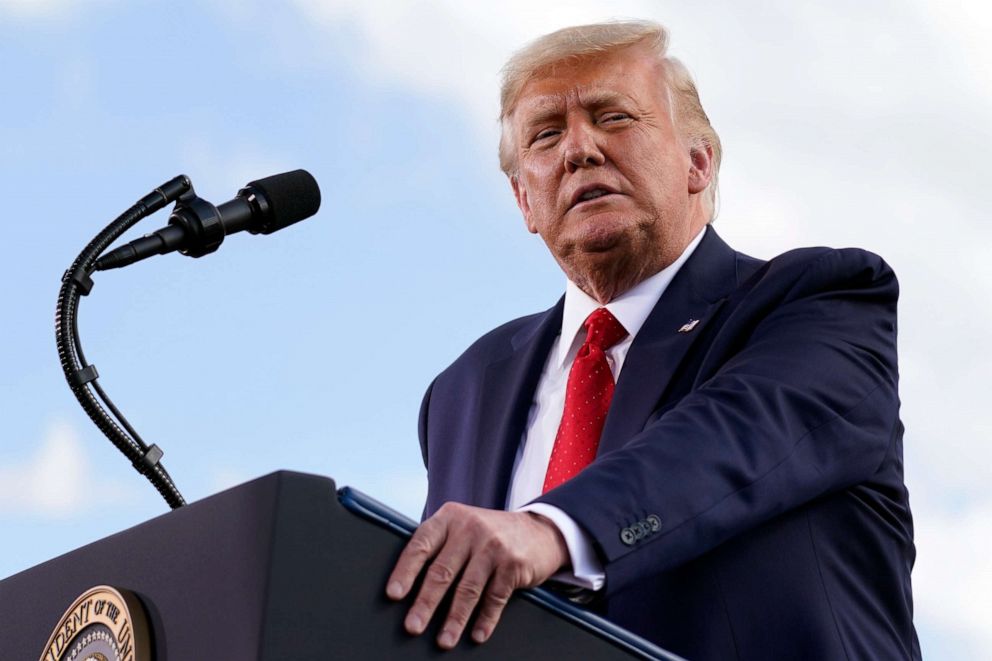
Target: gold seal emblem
103,624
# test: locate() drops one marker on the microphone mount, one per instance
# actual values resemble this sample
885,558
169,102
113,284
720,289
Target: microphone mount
197,227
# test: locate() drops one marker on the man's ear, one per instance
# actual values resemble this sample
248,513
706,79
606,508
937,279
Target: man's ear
520,194
700,167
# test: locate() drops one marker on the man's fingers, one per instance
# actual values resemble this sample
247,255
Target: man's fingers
466,596
437,579
493,552
427,540
495,600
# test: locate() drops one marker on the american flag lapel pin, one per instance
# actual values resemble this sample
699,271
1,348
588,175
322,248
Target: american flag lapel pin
687,328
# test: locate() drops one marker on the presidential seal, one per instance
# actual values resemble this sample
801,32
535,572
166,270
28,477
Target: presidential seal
103,624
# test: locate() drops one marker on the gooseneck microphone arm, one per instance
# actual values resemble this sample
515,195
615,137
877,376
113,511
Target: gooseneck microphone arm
196,228
81,376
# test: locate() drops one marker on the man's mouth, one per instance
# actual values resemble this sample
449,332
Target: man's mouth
590,193
593,194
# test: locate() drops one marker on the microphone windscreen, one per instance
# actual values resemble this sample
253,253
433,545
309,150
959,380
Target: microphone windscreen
291,197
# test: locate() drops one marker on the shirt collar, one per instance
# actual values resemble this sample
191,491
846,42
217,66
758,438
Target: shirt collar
631,308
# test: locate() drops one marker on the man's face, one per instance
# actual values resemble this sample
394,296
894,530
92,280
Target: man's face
604,175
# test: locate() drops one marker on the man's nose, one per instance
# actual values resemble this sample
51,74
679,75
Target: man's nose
581,150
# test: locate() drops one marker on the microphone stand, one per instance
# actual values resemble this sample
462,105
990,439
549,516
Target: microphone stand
82,376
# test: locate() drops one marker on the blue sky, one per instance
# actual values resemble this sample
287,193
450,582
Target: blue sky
848,124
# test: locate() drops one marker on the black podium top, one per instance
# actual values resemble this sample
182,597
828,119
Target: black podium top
278,568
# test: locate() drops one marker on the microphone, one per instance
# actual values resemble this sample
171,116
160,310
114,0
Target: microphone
197,227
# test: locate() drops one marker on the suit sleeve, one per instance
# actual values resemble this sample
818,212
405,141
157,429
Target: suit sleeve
799,401
422,421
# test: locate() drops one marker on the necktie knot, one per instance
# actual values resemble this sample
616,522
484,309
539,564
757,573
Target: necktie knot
603,330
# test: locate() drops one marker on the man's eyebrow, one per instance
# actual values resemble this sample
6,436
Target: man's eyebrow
548,107
597,98
543,108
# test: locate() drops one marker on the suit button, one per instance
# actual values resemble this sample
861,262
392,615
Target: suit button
654,522
627,536
640,530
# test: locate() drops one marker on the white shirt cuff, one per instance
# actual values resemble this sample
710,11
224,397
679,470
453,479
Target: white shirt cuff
587,571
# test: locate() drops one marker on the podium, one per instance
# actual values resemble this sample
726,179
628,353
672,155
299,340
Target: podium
284,567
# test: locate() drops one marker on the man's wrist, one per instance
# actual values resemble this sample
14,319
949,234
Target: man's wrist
556,540
583,568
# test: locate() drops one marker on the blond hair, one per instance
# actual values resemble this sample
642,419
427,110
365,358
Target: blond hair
582,41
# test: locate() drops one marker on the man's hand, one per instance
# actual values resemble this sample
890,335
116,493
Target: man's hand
494,552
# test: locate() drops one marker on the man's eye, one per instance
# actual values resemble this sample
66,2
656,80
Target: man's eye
614,117
546,133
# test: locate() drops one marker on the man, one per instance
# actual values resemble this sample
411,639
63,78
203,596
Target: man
708,442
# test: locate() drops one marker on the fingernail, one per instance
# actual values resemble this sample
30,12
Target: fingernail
395,590
479,635
447,639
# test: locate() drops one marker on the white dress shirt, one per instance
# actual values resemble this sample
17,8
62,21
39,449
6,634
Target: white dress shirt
631,309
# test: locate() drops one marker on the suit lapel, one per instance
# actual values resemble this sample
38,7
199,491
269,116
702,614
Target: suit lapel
507,394
695,294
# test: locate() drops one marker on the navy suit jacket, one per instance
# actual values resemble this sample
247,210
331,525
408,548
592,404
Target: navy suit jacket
747,499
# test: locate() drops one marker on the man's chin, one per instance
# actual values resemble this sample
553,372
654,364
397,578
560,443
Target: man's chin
600,241
602,232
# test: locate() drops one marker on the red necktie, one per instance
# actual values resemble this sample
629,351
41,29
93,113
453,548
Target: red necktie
587,400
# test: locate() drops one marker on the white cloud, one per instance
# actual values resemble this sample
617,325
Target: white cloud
45,9
451,48
952,581
964,28
57,481
34,8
